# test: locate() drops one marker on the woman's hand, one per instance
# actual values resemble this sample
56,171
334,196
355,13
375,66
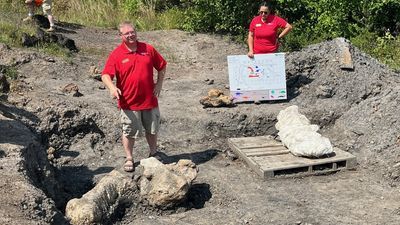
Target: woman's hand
250,54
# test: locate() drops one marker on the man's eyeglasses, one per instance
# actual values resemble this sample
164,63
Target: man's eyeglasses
263,12
129,33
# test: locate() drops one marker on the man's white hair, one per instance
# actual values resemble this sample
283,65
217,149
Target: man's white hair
126,23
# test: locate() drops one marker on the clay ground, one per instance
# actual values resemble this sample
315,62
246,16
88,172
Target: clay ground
85,133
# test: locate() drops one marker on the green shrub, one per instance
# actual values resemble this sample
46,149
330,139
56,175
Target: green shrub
131,7
385,48
224,16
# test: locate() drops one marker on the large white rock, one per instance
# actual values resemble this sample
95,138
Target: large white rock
158,184
99,204
164,185
300,136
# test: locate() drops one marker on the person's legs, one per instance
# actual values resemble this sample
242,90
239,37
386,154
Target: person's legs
130,121
46,6
31,8
151,123
128,144
152,141
51,21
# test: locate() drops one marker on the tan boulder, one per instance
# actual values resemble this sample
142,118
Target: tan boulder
165,185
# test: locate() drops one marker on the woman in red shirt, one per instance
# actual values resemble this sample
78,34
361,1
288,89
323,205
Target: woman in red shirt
263,32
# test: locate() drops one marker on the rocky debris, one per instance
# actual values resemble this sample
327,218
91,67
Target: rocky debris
346,62
216,98
99,204
300,136
43,37
72,88
50,153
27,180
4,85
157,184
166,185
95,73
210,82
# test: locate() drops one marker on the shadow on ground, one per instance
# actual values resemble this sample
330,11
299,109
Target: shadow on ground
196,157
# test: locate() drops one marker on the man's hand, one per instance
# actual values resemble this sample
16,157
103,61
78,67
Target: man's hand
157,89
115,93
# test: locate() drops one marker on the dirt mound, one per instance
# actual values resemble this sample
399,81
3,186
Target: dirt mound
79,134
356,108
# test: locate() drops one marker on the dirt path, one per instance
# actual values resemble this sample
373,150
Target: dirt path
226,191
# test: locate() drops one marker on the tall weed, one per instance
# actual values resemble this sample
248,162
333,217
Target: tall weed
109,13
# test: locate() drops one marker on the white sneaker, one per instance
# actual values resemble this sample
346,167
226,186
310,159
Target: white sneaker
51,29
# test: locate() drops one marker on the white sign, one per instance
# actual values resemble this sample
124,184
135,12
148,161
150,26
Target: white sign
259,78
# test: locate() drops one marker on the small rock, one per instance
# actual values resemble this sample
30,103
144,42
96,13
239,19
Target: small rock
70,88
94,70
231,156
396,165
210,82
50,157
51,150
50,60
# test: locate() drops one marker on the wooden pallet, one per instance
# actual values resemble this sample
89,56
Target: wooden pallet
269,158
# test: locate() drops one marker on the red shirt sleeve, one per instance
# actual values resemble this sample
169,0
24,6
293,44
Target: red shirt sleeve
159,62
280,22
110,66
252,25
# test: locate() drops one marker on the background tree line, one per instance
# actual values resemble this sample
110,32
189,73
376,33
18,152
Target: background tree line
372,25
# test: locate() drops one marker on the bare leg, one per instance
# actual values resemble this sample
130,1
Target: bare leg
51,20
30,12
30,9
128,144
152,141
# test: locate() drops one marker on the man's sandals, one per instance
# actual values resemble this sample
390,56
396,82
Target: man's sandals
129,166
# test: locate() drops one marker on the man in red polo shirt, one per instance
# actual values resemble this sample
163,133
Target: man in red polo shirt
132,63
264,31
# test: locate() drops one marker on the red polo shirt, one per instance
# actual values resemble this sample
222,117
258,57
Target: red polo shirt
134,73
265,33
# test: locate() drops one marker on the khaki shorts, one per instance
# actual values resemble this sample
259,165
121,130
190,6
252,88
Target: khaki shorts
134,121
46,6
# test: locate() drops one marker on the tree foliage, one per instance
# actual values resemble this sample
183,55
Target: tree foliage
312,19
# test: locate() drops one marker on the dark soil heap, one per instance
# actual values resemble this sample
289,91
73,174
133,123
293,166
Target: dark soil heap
358,109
